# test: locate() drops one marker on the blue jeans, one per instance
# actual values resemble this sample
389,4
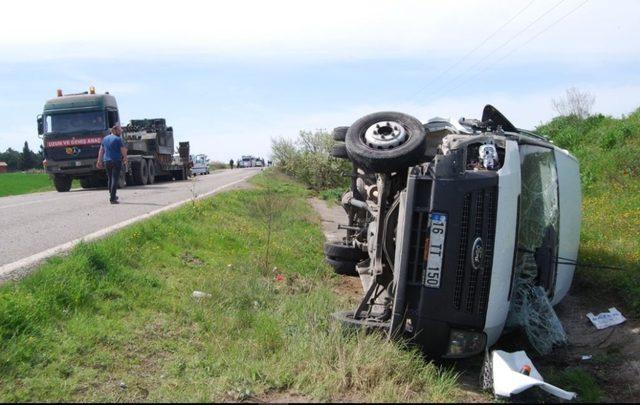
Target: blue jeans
113,174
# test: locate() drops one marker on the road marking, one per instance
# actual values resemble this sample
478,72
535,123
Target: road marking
30,202
70,195
37,258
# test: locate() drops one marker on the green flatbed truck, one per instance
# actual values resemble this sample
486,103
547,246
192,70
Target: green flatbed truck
72,127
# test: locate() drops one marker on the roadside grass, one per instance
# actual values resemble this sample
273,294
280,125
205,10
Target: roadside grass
332,195
24,183
115,319
608,150
577,380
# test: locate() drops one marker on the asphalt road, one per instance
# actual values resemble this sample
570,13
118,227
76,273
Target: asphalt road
42,224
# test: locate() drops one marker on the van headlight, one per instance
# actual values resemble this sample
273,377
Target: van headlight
464,343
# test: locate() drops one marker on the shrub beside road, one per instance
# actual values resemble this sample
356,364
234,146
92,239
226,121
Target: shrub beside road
115,320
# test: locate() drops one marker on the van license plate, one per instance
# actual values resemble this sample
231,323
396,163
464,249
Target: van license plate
433,269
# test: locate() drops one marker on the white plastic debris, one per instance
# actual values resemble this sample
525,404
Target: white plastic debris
200,294
606,319
585,357
508,377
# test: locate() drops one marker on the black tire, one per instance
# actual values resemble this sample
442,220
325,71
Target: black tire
339,151
140,172
347,320
151,168
340,251
62,183
101,181
340,133
406,154
86,182
342,267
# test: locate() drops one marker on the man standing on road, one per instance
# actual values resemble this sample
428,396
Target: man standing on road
113,154
231,163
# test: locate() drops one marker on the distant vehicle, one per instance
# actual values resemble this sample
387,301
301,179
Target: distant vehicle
449,222
72,127
259,163
200,165
247,161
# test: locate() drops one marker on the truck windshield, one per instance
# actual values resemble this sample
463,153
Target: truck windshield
74,122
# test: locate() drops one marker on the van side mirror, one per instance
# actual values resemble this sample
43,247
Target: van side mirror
40,125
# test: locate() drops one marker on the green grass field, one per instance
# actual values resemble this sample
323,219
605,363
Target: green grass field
115,320
24,183
608,150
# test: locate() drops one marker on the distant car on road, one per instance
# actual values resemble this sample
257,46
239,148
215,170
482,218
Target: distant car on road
200,165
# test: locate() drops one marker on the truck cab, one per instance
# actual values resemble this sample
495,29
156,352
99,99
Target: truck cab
72,127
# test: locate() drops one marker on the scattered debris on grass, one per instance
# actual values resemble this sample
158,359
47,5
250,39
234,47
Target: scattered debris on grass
606,319
200,294
514,372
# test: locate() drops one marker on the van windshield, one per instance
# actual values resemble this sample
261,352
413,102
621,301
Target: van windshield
539,216
75,122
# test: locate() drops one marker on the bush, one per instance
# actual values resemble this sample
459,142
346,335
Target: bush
308,160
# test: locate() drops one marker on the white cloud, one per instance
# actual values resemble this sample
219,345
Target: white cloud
305,30
524,110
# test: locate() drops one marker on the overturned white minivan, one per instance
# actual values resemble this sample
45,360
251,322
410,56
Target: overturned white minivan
444,217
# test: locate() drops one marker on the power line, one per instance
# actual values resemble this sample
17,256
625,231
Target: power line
520,46
455,64
507,42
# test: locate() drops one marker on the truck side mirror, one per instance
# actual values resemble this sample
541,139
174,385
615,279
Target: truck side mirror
40,125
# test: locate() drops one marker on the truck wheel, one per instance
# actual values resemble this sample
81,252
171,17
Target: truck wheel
386,142
62,183
139,172
152,171
340,133
86,182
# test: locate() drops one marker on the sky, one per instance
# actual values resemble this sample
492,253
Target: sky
230,76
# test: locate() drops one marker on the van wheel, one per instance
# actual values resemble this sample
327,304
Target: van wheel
339,151
342,267
386,142
152,171
62,183
340,133
343,252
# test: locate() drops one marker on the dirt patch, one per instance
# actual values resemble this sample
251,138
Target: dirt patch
615,351
331,216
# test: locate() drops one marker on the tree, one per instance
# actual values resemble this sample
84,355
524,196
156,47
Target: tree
28,158
12,158
575,102
308,159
